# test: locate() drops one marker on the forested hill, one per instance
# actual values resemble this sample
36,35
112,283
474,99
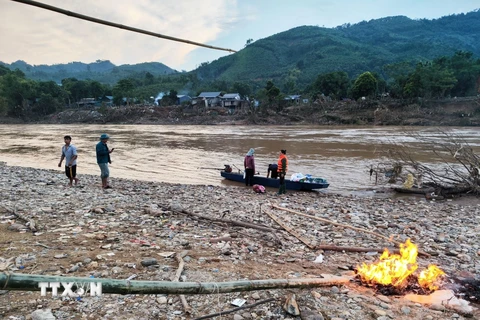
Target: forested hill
101,70
299,55
304,52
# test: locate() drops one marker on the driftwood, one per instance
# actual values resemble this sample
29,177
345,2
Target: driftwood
345,226
230,238
29,221
414,190
248,306
29,282
181,265
355,249
334,223
290,230
42,245
459,172
232,222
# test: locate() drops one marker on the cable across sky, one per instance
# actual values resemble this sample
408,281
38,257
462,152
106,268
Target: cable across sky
116,25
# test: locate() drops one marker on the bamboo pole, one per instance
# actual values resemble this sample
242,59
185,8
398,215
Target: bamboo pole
29,282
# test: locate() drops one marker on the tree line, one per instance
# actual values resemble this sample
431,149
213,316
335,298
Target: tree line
448,76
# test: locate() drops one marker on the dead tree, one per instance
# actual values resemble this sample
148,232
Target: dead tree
457,168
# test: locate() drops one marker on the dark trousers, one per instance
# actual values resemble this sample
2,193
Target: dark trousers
283,185
71,172
249,177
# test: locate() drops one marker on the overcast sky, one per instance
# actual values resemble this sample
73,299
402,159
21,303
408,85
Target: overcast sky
38,36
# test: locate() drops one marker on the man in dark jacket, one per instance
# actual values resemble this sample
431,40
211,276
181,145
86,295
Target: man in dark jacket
272,171
103,159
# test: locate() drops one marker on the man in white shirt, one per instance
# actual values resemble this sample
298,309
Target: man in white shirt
69,153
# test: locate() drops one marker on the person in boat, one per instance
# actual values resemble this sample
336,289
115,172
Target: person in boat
249,164
282,171
272,171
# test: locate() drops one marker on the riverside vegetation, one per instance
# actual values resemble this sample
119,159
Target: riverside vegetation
345,63
446,112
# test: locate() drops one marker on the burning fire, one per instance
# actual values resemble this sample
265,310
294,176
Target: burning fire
394,269
427,278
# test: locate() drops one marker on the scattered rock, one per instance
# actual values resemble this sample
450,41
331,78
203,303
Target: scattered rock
42,315
121,235
149,262
310,315
255,296
290,306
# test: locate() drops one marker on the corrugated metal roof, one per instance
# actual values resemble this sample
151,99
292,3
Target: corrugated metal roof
209,94
231,95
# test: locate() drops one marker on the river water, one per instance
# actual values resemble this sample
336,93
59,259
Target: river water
176,154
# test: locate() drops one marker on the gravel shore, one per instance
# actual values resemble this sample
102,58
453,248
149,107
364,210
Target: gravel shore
86,231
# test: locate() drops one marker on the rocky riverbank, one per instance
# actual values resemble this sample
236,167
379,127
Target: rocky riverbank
133,230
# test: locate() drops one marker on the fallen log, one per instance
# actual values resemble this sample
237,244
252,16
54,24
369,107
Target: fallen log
414,190
345,226
220,239
181,264
30,282
28,221
248,306
291,230
232,222
334,223
355,249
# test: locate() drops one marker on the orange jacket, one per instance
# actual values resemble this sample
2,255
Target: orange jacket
282,163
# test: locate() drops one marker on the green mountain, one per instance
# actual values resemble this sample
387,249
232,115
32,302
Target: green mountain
101,70
301,54
308,51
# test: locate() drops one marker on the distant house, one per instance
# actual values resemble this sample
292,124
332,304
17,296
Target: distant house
296,98
106,101
182,98
231,100
86,102
210,99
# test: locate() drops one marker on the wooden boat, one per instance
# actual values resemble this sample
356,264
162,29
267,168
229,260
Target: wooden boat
275,183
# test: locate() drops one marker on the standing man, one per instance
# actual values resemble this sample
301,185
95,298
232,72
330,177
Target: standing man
249,165
69,152
282,171
103,159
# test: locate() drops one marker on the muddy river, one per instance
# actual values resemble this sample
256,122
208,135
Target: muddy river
193,154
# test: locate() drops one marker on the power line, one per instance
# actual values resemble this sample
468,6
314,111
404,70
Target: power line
115,25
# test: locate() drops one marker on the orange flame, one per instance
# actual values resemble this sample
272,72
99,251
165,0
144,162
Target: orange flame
427,278
394,269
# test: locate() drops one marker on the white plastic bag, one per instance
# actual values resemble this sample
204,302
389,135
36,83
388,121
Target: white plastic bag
244,174
297,177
